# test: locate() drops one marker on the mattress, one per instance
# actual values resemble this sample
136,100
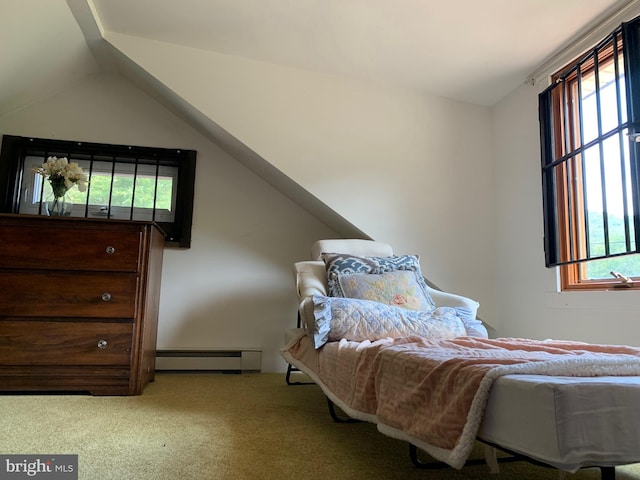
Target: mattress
565,422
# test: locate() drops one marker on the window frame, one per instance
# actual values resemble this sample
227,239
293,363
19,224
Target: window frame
564,210
14,178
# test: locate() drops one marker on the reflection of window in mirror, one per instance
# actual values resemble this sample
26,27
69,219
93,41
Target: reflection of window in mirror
125,183
112,189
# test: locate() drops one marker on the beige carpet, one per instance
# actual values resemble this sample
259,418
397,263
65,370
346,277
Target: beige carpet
223,427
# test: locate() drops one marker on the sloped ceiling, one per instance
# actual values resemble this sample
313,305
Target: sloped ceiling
468,50
474,51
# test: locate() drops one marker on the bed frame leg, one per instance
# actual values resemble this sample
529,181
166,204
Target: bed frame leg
491,457
607,473
336,418
290,370
436,465
413,455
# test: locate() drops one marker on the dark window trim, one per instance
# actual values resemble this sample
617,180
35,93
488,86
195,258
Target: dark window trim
564,248
15,149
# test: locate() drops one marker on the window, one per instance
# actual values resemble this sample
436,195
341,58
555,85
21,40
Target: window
589,120
125,183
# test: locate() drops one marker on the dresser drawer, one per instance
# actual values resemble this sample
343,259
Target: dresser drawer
36,294
32,246
65,343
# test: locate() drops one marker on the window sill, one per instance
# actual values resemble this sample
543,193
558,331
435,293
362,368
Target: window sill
602,286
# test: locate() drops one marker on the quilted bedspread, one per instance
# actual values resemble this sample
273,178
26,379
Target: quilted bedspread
433,392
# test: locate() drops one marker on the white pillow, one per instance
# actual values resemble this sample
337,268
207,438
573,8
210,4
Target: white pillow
335,318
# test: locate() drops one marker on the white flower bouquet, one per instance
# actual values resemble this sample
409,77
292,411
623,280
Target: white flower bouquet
63,175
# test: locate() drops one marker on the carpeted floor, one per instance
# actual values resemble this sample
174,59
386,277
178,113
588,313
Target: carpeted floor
223,427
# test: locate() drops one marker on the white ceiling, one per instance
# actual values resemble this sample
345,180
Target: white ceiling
474,51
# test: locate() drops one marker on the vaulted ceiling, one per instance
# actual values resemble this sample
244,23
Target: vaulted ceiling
473,51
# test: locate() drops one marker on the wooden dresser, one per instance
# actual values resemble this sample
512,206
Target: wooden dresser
78,304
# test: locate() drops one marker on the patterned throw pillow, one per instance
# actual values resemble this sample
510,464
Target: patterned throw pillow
399,288
343,264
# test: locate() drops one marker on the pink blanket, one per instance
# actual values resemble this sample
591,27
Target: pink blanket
433,393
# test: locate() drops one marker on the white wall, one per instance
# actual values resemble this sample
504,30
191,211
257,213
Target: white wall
411,169
456,183
408,168
234,287
528,303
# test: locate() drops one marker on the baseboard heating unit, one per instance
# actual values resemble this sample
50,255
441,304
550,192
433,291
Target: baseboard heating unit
228,361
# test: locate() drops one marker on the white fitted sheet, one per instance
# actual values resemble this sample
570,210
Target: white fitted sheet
565,422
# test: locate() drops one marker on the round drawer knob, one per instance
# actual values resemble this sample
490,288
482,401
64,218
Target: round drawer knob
106,296
110,249
102,343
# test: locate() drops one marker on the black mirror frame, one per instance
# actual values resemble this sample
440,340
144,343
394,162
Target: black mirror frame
15,149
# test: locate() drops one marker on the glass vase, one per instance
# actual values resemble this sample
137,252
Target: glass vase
58,206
